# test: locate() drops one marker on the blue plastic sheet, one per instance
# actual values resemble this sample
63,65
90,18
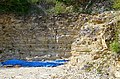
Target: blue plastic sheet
24,63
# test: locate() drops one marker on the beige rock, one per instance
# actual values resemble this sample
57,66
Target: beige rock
117,74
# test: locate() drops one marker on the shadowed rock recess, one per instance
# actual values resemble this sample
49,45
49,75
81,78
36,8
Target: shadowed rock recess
36,37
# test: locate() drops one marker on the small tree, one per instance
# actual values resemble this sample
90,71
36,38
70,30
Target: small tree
116,4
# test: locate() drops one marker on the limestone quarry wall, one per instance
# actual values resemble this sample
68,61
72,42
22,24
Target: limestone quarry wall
98,33
37,36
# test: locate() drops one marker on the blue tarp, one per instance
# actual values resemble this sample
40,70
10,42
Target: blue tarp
24,63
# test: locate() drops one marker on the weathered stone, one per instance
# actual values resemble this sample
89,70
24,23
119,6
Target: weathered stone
117,74
96,34
39,34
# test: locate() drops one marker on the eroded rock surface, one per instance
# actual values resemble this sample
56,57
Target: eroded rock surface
91,58
37,37
93,40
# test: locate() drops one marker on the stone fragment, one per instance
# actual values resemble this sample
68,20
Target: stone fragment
117,74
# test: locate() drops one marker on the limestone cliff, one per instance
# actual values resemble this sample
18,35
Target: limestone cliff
51,37
96,34
37,36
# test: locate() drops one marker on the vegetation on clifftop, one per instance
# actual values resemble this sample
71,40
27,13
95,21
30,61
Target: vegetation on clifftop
116,4
115,45
57,6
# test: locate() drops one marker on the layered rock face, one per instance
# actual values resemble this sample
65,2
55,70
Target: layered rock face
96,34
37,36
91,57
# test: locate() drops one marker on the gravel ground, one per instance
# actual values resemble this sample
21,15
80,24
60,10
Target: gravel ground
68,71
28,73
80,67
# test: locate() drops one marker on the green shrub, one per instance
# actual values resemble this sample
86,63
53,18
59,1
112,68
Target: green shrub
58,8
115,47
116,4
16,6
82,6
50,1
33,1
67,2
53,6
